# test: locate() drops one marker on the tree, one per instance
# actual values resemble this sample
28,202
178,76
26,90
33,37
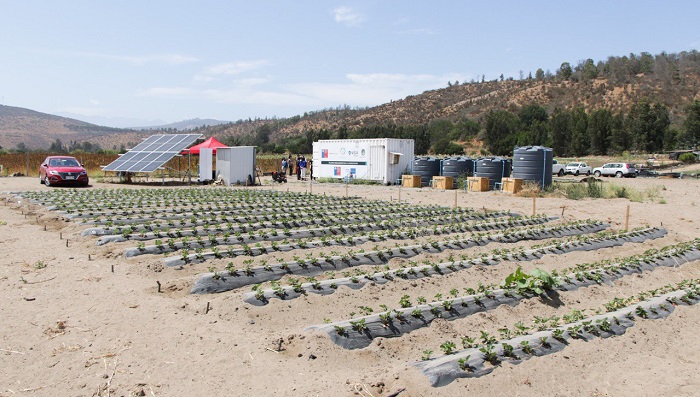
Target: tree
539,74
560,123
620,136
580,142
445,146
600,131
57,147
590,71
648,124
500,132
262,135
692,124
564,71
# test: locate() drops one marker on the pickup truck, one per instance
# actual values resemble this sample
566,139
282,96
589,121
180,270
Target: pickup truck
557,168
577,169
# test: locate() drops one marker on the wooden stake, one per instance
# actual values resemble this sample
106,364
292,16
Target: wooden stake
562,210
112,268
399,194
89,258
207,311
627,218
158,282
44,227
66,242
60,235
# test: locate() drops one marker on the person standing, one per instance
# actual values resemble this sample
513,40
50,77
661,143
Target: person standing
302,166
290,164
284,166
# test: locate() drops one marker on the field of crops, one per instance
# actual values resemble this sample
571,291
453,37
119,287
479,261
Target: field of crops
28,163
239,242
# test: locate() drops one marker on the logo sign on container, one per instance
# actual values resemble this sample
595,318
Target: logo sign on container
324,153
337,171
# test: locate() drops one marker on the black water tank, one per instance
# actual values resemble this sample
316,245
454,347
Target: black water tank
457,166
494,168
427,168
533,163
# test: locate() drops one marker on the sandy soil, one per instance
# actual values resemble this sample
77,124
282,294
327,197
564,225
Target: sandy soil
92,320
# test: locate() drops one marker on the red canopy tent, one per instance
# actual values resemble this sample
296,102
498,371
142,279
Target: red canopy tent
211,143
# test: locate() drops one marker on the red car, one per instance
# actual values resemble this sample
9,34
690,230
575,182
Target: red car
60,170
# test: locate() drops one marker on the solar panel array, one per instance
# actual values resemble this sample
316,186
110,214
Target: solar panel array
152,153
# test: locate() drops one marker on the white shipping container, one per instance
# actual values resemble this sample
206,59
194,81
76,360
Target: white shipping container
382,159
235,164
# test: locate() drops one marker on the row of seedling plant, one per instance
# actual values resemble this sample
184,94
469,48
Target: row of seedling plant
320,237
335,225
226,281
291,206
514,288
549,335
124,199
233,211
414,270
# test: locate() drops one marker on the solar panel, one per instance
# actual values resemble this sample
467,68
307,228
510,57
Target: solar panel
152,153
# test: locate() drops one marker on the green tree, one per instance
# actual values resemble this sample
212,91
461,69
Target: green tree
590,71
600,131
500,132
539,74
560,126
648,124
580,142
692,124
445,146
57,147
620,136
564,71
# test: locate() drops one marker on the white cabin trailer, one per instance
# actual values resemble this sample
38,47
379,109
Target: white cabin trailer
382,159
236,165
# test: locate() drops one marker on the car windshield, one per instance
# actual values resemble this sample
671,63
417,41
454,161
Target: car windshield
573,165
64,163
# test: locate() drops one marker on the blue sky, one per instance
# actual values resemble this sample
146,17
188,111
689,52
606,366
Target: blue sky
135,63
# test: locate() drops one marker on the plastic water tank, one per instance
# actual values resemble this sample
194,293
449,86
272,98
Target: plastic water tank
494,168
457,166
533,163
427,168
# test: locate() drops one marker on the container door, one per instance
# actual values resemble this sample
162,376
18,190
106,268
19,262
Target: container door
376,161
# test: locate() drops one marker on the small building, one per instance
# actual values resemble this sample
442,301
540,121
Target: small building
382,159
236,165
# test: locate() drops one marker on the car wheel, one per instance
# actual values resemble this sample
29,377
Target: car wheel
588,173
47,182
618,174
597,174
561,173
41,181
576,173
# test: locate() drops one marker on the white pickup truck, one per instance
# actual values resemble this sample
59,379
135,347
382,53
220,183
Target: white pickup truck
578,169
557,168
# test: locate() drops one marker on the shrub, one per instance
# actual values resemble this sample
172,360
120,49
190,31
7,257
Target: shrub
687,158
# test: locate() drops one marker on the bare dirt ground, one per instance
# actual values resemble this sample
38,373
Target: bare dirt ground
91,322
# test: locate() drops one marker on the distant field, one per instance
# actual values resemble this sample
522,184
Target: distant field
28,163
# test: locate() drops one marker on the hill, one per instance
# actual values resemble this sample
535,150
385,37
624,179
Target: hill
617,84
36,130
185,125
